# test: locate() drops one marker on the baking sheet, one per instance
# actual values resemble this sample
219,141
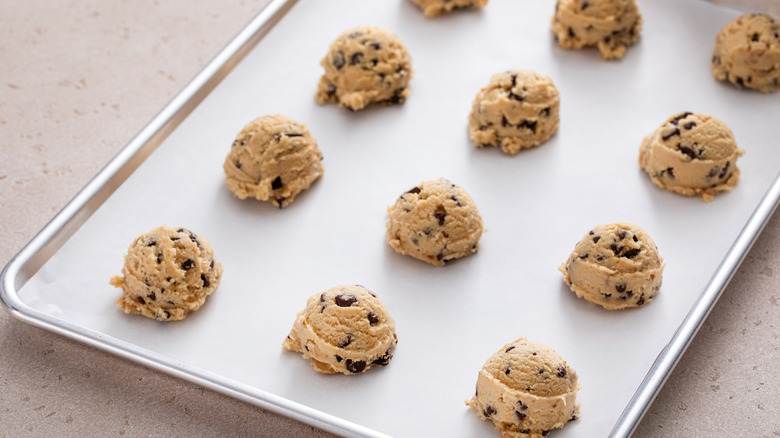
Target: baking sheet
536,205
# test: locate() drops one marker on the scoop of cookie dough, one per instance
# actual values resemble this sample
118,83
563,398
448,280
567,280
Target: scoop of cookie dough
518,109
365,65
692,154
345,329
432,8
615,266
747,53
610,25
526,389
435,222
273,159
167,274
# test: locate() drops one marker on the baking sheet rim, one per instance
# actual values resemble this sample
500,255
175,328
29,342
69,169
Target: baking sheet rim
54,234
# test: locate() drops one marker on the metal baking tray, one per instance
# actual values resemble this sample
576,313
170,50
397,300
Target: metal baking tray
535,205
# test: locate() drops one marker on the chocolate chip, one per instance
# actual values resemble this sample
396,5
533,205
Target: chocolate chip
571,33
322,298
755,37
339,358
238,164
725,170
514,96
151,242
293,134
355,366
679,117
206,282
689,125
346,341
211,264
596,239
584,5
740,81
713,172
167,314
338,60
541,371
440,215
374,45
457,201
277,184
398,96
641,300
356,58
615,248
140,299
509,348
622,234
631,253
440,256
670,135
414,190
670,172
545,112
590,233
520,416
504,122
507,369
620,287
331,90
488,411
345,300
530,124
159,257
522,406
427,231
152,296
372,318
188,264
635,239
562,371
383,360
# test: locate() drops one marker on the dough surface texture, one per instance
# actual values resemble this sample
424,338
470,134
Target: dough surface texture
273,158
433,8
609,25
526,389
747,53
167,274
435,222
365,65
616,266
345,329
693,155
518,109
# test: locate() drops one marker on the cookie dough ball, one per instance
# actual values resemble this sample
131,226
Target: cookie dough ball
693,155
526,389
615,266
365,65
432,8
610,25
167,274
518,109
747,53
435,222
273,159
345,329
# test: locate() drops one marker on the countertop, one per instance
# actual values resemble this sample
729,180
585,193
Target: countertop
80,80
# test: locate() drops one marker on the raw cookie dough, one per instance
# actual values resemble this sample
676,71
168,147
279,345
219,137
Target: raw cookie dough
345,329
526,389
167,274
273,159
435,222
615,266
610,25
692,154
432,8
365,65
747,53
518,109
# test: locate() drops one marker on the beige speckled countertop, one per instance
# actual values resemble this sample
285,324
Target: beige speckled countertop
79,80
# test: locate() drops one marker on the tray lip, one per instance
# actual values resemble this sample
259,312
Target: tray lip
76,212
